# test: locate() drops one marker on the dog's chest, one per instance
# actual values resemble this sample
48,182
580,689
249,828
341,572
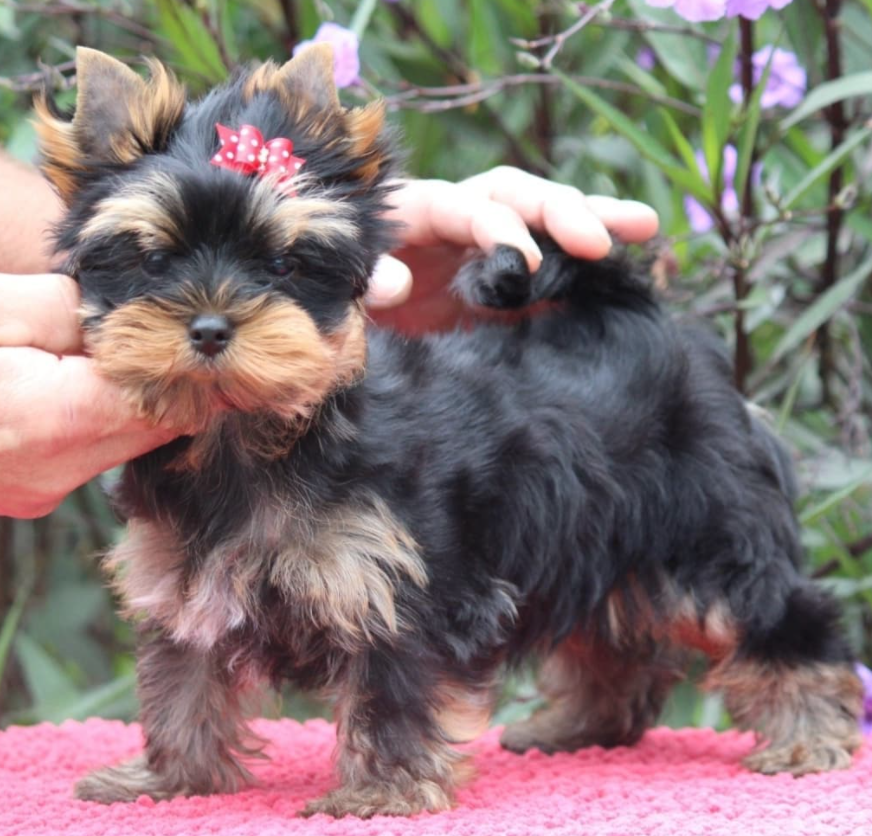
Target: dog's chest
335,571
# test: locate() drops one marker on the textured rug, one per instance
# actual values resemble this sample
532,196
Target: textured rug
674,783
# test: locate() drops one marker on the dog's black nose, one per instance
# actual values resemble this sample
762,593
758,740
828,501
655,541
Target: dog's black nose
210,334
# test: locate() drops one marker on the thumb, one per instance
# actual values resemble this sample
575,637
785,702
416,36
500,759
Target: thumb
390,284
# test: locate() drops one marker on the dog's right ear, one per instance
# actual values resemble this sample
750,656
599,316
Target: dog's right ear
118,118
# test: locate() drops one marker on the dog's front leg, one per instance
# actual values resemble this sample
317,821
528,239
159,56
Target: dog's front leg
393,757
193,725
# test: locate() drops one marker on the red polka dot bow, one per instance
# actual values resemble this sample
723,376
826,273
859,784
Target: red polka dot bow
246,152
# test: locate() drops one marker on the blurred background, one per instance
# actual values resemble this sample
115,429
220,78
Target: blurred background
751,138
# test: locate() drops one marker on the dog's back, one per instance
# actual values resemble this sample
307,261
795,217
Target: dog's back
673,528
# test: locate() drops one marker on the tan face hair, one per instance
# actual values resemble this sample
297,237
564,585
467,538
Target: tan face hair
278,361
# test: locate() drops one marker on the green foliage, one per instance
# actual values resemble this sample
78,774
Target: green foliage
786,279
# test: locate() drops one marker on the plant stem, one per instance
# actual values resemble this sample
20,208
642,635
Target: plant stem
835,116
292,24
743,361
435,99
543,126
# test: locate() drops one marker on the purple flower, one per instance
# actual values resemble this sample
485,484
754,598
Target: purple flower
346,63
702,10
866,678
752,9
646,59
786,84
697,214
694,10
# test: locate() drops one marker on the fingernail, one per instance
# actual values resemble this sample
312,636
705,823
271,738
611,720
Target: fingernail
389,284
533,254
606,241
638,206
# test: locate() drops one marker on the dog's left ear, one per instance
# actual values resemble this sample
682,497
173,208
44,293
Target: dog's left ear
119,117
306,84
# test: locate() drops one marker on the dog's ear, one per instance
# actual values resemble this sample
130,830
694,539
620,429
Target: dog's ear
307,86
118,118
307,83
369,143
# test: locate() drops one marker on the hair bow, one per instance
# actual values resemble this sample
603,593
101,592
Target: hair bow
246,152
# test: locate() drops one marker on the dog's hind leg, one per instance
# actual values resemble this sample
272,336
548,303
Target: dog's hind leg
598,695
790,680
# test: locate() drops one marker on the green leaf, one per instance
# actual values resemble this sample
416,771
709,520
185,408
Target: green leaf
195,47
748,136
816,511
830,162
98,702
223,13
821,310
797,140
8,29
716,112
861,224
846,87
679,140
22,143
683,58
792,393
10,624
833,470
362,16
711,713
482,43
46,679
649,83
645,143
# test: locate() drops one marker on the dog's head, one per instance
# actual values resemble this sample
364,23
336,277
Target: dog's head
219,271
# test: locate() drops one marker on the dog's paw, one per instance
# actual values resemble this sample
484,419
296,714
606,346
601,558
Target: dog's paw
500,280
125,782
536,733
799,759
522,736
381,800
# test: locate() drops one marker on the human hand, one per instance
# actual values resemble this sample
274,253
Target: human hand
61,423
442,220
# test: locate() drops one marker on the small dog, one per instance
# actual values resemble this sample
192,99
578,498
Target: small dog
391,523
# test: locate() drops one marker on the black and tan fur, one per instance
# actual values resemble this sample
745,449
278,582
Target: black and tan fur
391,523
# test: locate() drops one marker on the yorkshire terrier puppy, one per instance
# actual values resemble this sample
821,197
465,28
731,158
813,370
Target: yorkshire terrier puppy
388,522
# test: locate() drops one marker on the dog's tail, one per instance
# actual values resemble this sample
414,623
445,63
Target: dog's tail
503,280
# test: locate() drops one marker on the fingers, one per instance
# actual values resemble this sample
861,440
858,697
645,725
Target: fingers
435,212
40,311
580,224
559,210
390,284
61,424
88,408
632,221
499,206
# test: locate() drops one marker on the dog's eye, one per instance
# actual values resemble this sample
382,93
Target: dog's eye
280,266
156,262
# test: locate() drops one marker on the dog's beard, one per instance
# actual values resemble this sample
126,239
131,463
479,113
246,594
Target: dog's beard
278,362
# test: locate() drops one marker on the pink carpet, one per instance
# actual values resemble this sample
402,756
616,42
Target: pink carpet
674,783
